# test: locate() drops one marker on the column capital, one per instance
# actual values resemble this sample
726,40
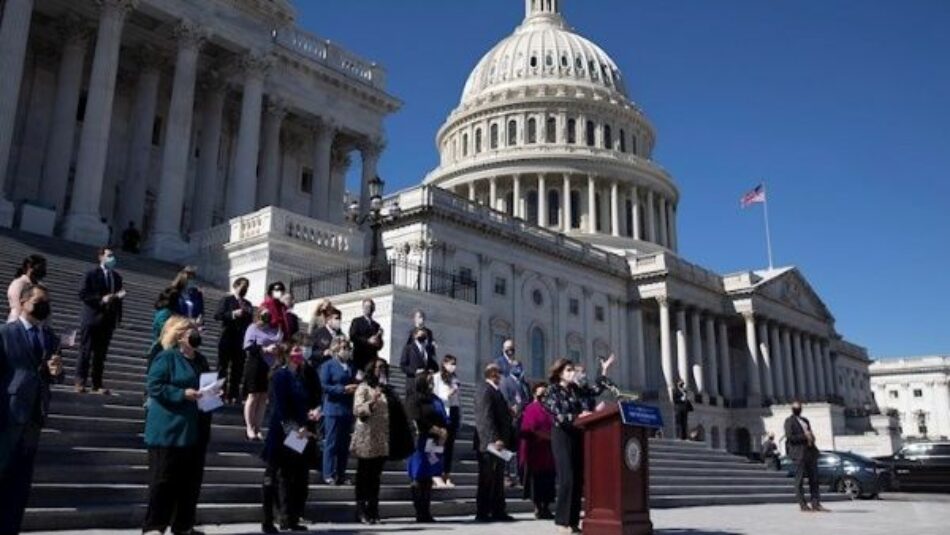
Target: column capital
212,81
372,147
329,124
340,158
748,315
116,8
74,30
148,58
276,108
663,300
190,35
255,64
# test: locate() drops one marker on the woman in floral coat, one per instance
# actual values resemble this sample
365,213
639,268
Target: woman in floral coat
370,443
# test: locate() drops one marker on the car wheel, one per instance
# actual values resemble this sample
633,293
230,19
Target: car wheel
849,487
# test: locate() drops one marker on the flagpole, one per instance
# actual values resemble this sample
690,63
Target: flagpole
768,233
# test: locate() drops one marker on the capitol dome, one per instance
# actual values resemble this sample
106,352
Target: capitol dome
546,131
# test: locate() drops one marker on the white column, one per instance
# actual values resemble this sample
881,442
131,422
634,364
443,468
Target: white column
651,218
591,206
206,190
471,191
809,361
663,237
755,386
666,349
712,384
493,193
133,189
83,223
674,241
642,382
801,381
243,187
614,209
339,164
370,151
166,241
791,389
778,368
323,136
725,359
542,202
830,380
821,390
696,352
635,201
14,35
59,148
682,348
268,184
566,208
516,196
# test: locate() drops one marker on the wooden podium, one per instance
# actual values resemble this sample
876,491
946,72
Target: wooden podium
616,469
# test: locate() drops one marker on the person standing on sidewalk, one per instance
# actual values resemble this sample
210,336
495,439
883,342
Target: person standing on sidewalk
801,448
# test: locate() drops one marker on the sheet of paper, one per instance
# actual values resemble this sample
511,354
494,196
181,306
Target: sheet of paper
210,388
432,447
503,454
294,442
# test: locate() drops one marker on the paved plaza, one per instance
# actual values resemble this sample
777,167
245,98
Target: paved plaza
897,514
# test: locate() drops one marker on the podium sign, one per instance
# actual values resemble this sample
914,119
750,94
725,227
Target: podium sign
616,469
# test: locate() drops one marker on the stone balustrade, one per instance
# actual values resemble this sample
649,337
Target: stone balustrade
322,51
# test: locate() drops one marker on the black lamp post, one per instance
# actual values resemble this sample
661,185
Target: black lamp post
375,216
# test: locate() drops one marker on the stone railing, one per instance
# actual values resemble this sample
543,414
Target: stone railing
273,221
466,211
322,51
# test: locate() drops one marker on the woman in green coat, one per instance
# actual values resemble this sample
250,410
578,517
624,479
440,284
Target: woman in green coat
172,430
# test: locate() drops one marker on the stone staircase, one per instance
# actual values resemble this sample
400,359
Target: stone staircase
92,468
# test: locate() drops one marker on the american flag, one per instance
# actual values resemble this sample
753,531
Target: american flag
757,195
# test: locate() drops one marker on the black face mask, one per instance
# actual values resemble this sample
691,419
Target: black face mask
421,339
242,291
41,310
509,352
194,340
797,412
38,274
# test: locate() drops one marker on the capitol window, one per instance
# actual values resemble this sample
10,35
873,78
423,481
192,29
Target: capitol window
599,313
554,207
564,60
532,131
633,144
574,306
501,286
549,60
571,131
534,61
465,275
894,394
550,134
537,297
306,180
590,133
464,144
493,137
512,132
608,137
623,141
918,393
478,140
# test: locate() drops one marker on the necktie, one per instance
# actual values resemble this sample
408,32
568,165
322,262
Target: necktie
37,345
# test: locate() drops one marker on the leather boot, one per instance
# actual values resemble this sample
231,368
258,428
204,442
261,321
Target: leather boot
269,501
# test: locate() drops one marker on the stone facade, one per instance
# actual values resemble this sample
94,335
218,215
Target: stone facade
918,390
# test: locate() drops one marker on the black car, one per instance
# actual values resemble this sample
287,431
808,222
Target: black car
848,473
924,466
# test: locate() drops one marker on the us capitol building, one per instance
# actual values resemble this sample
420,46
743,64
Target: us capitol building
225,132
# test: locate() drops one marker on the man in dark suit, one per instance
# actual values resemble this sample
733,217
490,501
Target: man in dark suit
102,296
29,362
494,428
323,337
235,314
507,357
366,335
682,406
419,322
800,447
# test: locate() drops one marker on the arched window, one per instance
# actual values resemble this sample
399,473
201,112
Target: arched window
478,140
550,130
575,208
493,136
554,207
590,133
532,131
608,137
572,131
532,206
623,141
597,212
464,144
512,132
538,356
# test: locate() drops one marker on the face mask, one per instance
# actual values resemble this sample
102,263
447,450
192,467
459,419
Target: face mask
517,372
509,352
580,378
346,354
307,352
277,294
383,380
297,359
109,262
265,319
194,340
422,339
242,291
797,412
41,310
335,324
450,368
38,274
191,284
420,322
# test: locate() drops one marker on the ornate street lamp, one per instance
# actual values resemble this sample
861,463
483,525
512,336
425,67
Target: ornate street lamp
376,215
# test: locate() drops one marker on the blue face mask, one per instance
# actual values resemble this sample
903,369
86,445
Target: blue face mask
307,353
517,371
109,262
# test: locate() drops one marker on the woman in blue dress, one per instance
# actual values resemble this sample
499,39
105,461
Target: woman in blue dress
432,422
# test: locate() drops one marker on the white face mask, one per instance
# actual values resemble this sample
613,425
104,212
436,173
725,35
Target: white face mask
346,354
450,368
580,377
277,294
383,380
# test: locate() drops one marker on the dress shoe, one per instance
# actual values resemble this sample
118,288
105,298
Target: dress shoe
482,519
804,508
293,527
269,528
505,518
820,508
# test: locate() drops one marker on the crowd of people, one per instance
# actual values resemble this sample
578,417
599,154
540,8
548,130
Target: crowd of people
328,396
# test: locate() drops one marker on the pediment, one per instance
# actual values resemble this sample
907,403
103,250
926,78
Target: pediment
793,290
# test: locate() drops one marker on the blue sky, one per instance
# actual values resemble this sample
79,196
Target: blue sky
841,106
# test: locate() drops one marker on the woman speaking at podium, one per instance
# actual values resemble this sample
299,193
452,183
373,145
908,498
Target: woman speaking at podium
566,401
